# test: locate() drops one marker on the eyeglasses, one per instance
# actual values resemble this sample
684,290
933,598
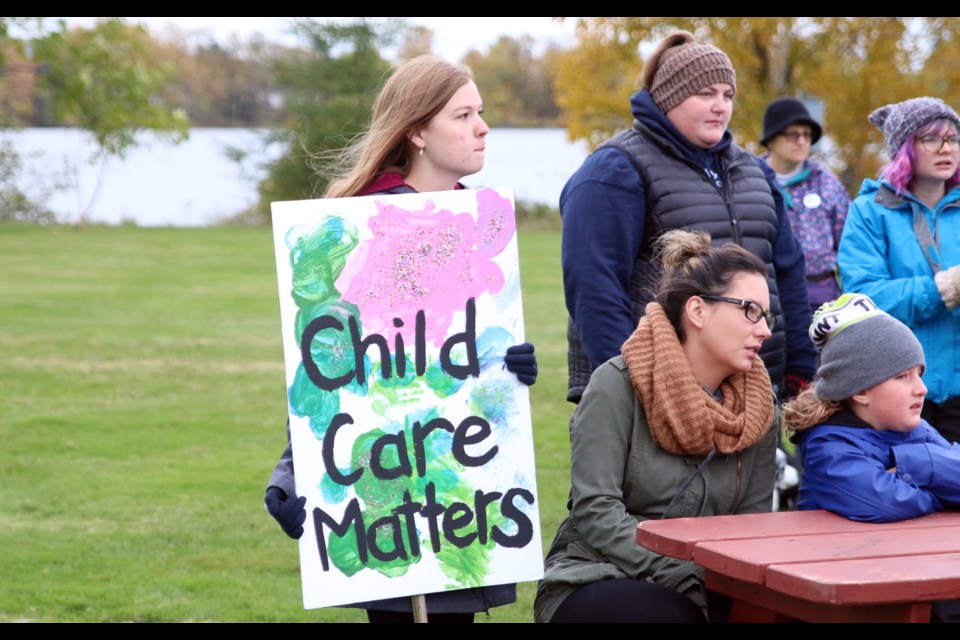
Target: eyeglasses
753,311
794,136
933,144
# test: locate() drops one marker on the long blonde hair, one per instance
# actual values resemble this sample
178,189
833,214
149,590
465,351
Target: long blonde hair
806,410
417,91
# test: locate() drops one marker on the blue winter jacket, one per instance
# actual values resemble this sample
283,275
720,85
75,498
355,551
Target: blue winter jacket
604,218
845,470
880,256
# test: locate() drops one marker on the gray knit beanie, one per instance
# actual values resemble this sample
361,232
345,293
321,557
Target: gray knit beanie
860,346
898,121
691,66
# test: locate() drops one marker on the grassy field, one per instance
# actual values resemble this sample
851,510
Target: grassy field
142,403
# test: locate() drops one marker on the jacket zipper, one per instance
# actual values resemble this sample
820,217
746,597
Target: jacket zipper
725,173
736,495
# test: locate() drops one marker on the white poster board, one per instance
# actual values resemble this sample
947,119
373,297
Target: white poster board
411,441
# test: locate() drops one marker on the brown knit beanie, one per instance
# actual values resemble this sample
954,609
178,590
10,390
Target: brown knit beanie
686,68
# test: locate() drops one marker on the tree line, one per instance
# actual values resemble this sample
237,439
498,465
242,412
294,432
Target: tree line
852,64
242,82
115,79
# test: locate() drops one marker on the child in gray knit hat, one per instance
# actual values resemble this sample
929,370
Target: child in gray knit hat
867,454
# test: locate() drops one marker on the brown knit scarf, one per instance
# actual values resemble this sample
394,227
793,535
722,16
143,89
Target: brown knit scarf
683,418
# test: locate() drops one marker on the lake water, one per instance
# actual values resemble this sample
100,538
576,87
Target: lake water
196,183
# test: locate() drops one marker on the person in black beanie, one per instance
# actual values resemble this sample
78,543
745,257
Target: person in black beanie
815,199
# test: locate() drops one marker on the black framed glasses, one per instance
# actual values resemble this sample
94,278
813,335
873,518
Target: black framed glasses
753,311
933,143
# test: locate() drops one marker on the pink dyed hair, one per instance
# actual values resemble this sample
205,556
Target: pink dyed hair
899,172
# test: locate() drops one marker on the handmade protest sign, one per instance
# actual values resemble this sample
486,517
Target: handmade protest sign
411,441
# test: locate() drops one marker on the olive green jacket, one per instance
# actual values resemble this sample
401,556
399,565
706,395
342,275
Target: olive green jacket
620,476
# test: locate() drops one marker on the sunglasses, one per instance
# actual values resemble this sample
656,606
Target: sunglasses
753,311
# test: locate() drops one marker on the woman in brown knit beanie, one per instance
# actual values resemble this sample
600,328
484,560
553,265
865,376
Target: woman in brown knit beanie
679,68
678,425
677,167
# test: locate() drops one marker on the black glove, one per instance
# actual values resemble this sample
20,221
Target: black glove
522,363
289,512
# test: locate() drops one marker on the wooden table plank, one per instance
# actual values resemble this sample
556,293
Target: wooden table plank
817,566
748,559
756,603
894,579
676,537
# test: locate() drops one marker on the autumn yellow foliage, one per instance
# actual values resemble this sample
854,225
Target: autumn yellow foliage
851,64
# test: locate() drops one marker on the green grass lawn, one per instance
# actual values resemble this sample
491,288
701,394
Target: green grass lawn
142,403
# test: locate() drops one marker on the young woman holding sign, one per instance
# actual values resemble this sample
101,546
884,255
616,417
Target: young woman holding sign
426,133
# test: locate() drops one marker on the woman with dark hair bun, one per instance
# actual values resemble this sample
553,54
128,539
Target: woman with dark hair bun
678,425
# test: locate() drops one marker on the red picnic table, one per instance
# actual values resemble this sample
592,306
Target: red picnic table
817,566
